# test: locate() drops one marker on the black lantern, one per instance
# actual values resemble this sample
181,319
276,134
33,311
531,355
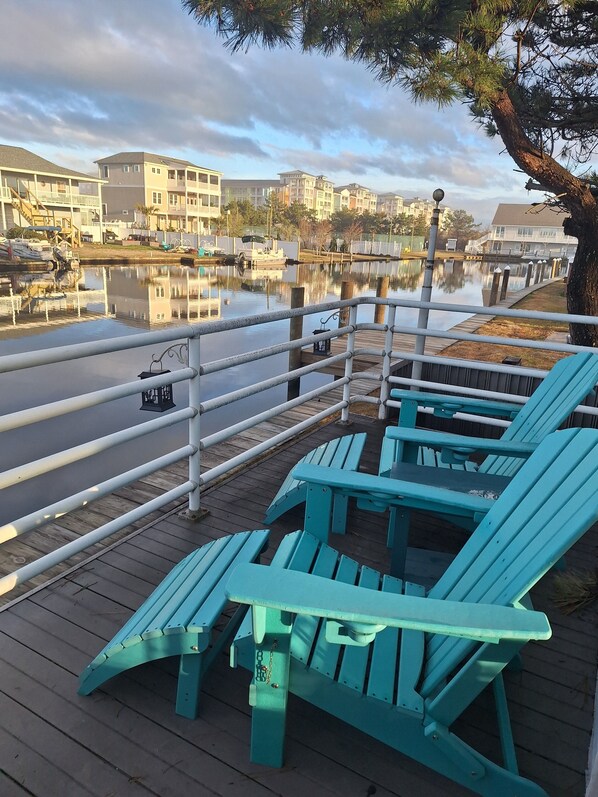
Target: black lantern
321,346
156,399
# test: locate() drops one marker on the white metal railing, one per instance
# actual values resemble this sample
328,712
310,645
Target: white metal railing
352,385
66,199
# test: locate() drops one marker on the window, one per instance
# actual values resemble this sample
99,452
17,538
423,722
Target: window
214,179
203,178
156,197
500,232
525,232
104,208
205,200
171,174
155,170
105,172
173,200
126,168
160,292
136,167
61,188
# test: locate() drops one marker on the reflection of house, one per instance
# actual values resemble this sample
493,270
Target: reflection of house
528,230
187,197
156,295
36,192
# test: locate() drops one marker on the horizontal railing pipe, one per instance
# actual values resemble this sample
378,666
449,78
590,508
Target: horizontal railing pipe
254,420
261,448
258,354
55,409
67,457
44,563
85,497
266,384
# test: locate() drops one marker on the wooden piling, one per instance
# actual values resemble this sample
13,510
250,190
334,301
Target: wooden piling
295,332
505,282
494,287
528,274
382,285
346,293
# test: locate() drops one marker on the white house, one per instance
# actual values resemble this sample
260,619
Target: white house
528,230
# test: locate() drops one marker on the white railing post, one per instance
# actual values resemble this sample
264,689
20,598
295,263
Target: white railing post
349,364
426,294
384,385
194,510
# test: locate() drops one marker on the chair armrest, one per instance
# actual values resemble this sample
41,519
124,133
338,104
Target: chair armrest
447,405
302,593
457,442
381,489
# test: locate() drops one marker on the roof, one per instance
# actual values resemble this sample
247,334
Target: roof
17,159
528,214
150,157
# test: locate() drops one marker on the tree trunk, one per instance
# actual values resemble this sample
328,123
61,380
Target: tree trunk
582,283
575,197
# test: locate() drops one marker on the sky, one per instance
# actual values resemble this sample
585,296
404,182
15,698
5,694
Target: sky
83,79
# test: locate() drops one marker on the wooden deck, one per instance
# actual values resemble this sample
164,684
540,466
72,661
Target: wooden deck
126,739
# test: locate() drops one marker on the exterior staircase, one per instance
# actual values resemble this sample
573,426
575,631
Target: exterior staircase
30,208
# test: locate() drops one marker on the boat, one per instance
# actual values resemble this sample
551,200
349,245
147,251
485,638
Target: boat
256,252
27,249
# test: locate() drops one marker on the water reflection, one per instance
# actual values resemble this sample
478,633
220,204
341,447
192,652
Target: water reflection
43,311
150,296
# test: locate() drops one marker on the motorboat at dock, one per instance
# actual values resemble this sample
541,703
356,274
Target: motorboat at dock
255,251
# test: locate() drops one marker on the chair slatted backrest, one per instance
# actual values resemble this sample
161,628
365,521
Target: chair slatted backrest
567,383
550,504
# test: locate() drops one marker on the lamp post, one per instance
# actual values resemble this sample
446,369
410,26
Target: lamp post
422,318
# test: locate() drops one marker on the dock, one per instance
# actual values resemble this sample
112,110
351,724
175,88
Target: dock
126,739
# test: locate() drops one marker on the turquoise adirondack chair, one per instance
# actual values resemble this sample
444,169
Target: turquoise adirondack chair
327,629
567,383
443,459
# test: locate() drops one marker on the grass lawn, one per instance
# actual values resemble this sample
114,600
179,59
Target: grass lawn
549,299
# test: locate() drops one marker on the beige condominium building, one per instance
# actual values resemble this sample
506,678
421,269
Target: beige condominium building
390,204
356,197
257,192
35,192
315,192
185,197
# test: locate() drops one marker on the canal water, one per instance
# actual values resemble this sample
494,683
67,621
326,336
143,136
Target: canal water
99,303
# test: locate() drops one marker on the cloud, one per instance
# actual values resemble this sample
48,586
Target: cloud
143,75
